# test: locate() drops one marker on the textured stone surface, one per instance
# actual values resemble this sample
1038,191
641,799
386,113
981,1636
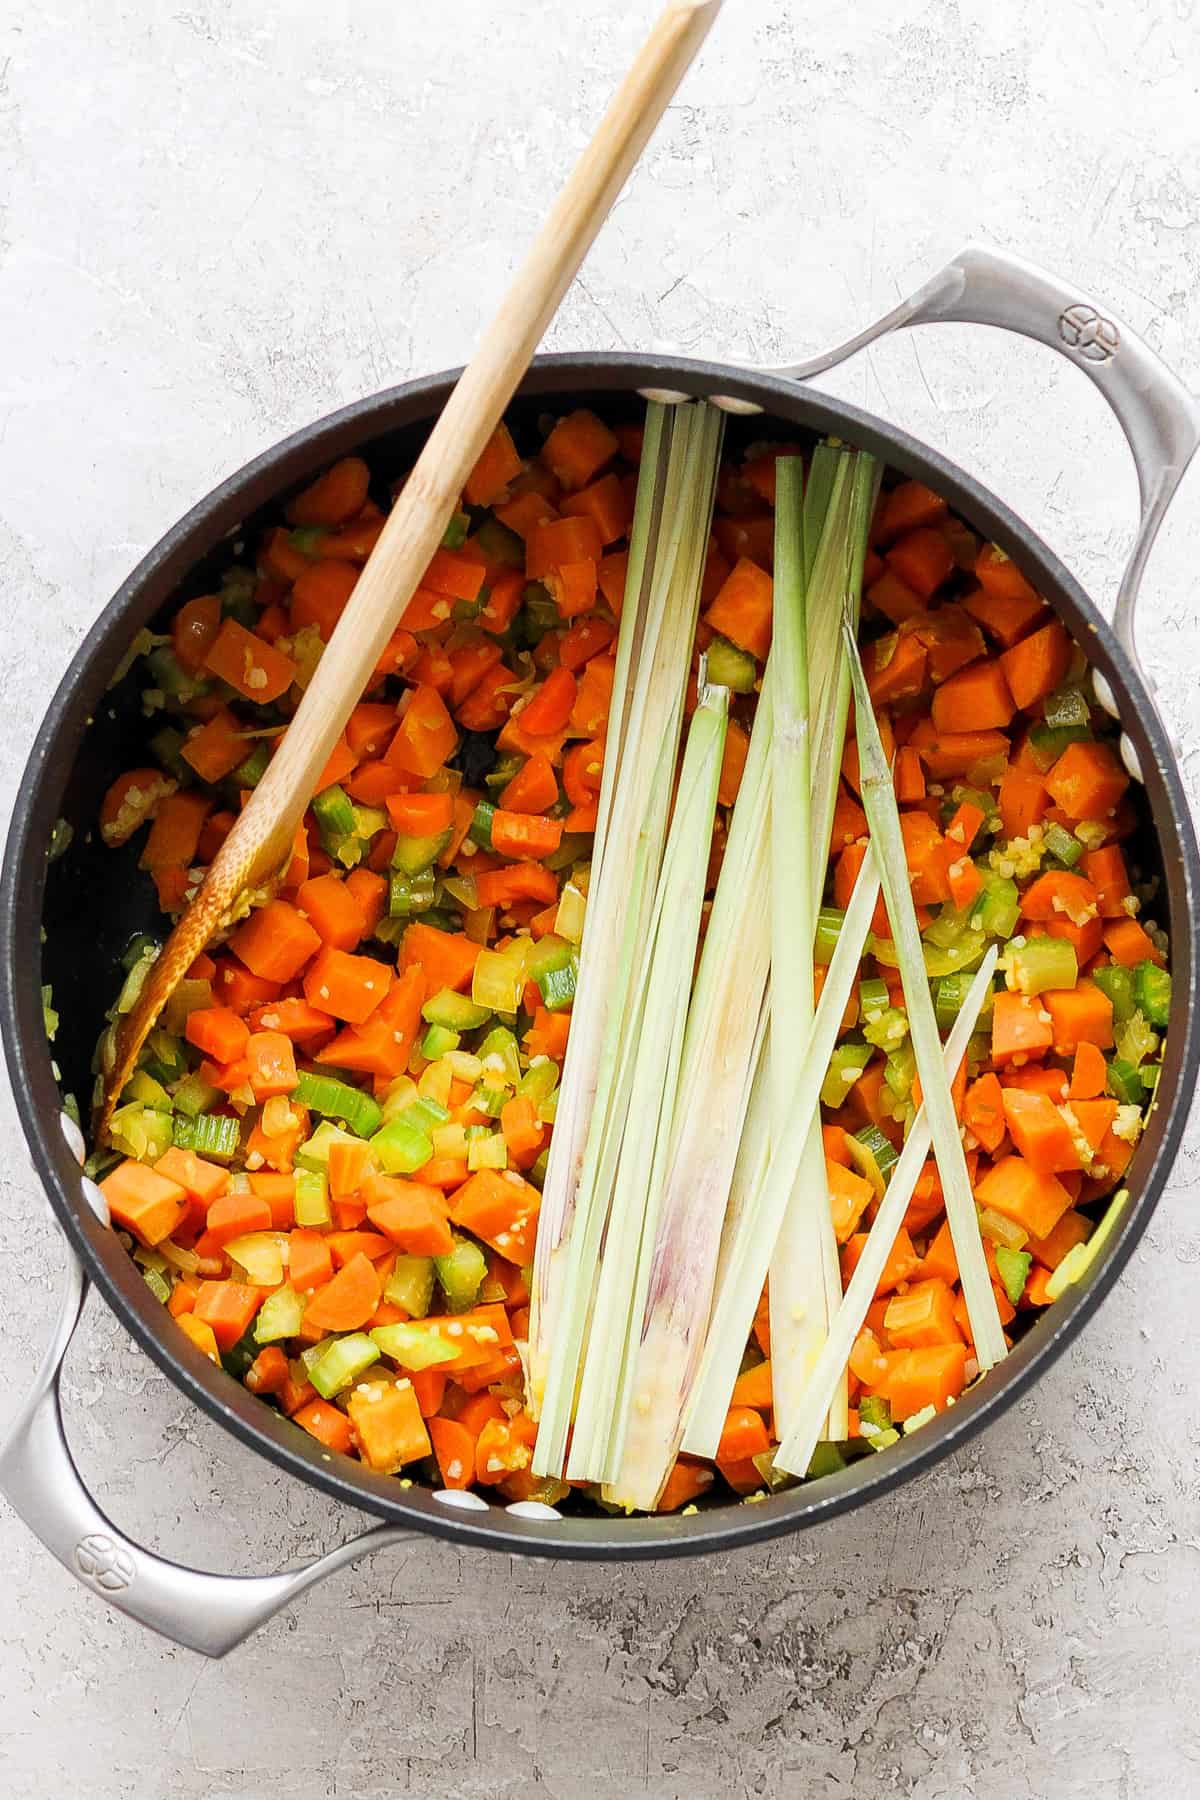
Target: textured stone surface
221,219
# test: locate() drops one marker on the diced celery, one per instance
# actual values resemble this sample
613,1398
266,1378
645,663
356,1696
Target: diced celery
456,531
874,1410
413,855
1117,982
358,1111
410,895
730,667
166,746
949,995
238,1358
1134,1040
490,1099
873,997
1013,1267
549,953
1124,1082
500,1057
965,953
1152,992
307,539
424,1114
539,613
334,812
400,1149
460,1274
480,829
1066,706
498,981
158,1284
342,1362
209,1135
435,1083
539,1081
314,1154
410,1285
873,1155
500,544
252,768
165,1059
826,1459
279,1316
900,1070
438,1041
548,1108
1062,844
845,1066
830,920
1041,963
557,988
194,1096
887,1030
414,1345
999,1229
312,1203
998,905
142,1087
569,919
1048,742
454,1011
487,1152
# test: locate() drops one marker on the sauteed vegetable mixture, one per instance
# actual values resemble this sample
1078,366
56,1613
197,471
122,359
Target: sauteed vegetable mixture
579,993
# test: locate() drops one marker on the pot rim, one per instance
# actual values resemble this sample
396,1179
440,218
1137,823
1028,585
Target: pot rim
29,1059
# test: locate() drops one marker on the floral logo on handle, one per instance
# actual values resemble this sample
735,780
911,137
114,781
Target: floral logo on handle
1088,333
103,1563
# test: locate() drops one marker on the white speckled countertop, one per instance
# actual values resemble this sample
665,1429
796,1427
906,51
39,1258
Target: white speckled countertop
220,220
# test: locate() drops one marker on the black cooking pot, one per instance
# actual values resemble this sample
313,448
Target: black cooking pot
91,903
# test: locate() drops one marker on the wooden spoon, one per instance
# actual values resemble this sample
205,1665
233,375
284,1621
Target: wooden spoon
260,841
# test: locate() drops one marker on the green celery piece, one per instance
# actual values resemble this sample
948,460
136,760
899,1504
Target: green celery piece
413,855
829,924
873,997
166,745
415,1345
168,674
360,1112
730,667
342,1362
1117,982
314,1154
845,1066
952,990
539,614
142,1087
552,952
334,812
948,927
1041,963
194,1096
500,544
873,1409
1062,844
1014,1267
424,1115
238,1358
165,1059
460,1274
410,1284
964,953
557,987
1152,992
899,1071
826,1459
500,1057
879,803
1066,706
438,1041
253,767
873,1155
1134,1040
307,539
312,1204
158,1285
887,1030
279,1316
457,1012
455,534
400,1149
998,906
1124,1083
539,1081
410,895
1048,742
209,1136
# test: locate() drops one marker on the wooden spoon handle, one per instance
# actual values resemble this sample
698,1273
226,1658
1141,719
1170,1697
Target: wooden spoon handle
262,836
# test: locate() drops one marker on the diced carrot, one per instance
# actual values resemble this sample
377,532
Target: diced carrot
1128,943
1039,1132
939,1259
275,941
321,594
498,465
322,1420
145,1201
578,448
351,1241
921,559
733,763
454,1447
1006,617
331,909
369,892
1021,1027
202,1180
425,736
410,1214
903,508
1073,1228
753,1388
915,1379
901,1265
547,1036
253,668
279,1192
742,610
215,748
743,1435
1022,801
369,729
227,1308
849,1196
983,1111
1087,781
977,698
593,698
1089,1073
217,1032
240,991
1105,869
1033,1200
346,1302
1037,664
500,1209
506,887
923,1315
1058,891
447,958
310,1263
333,497
200,1333
348,987
193,629
232,1215
957,752
894,598
927,859
686,1482
1082,1014
272,1064
896,667
295,1018
999,576
341,764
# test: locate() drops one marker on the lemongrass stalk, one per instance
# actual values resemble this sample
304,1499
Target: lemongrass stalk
799,1303
798,1443
883,816
721,1049
760,1213
614,1329
596,1076
805,1277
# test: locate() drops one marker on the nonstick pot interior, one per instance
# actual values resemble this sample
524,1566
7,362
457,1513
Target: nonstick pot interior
92,901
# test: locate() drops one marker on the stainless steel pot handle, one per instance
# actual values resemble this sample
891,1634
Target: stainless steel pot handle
1160,418
204,1612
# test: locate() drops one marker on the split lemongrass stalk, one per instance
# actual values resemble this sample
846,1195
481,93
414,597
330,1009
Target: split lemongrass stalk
658,624
805,1278
720,1058
883,816
798,1443
771,1179
656,1048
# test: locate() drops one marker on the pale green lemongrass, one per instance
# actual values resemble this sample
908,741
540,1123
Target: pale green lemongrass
720,1059
800,1440
747,1257
883,816
805,1277
621,894
614,1329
